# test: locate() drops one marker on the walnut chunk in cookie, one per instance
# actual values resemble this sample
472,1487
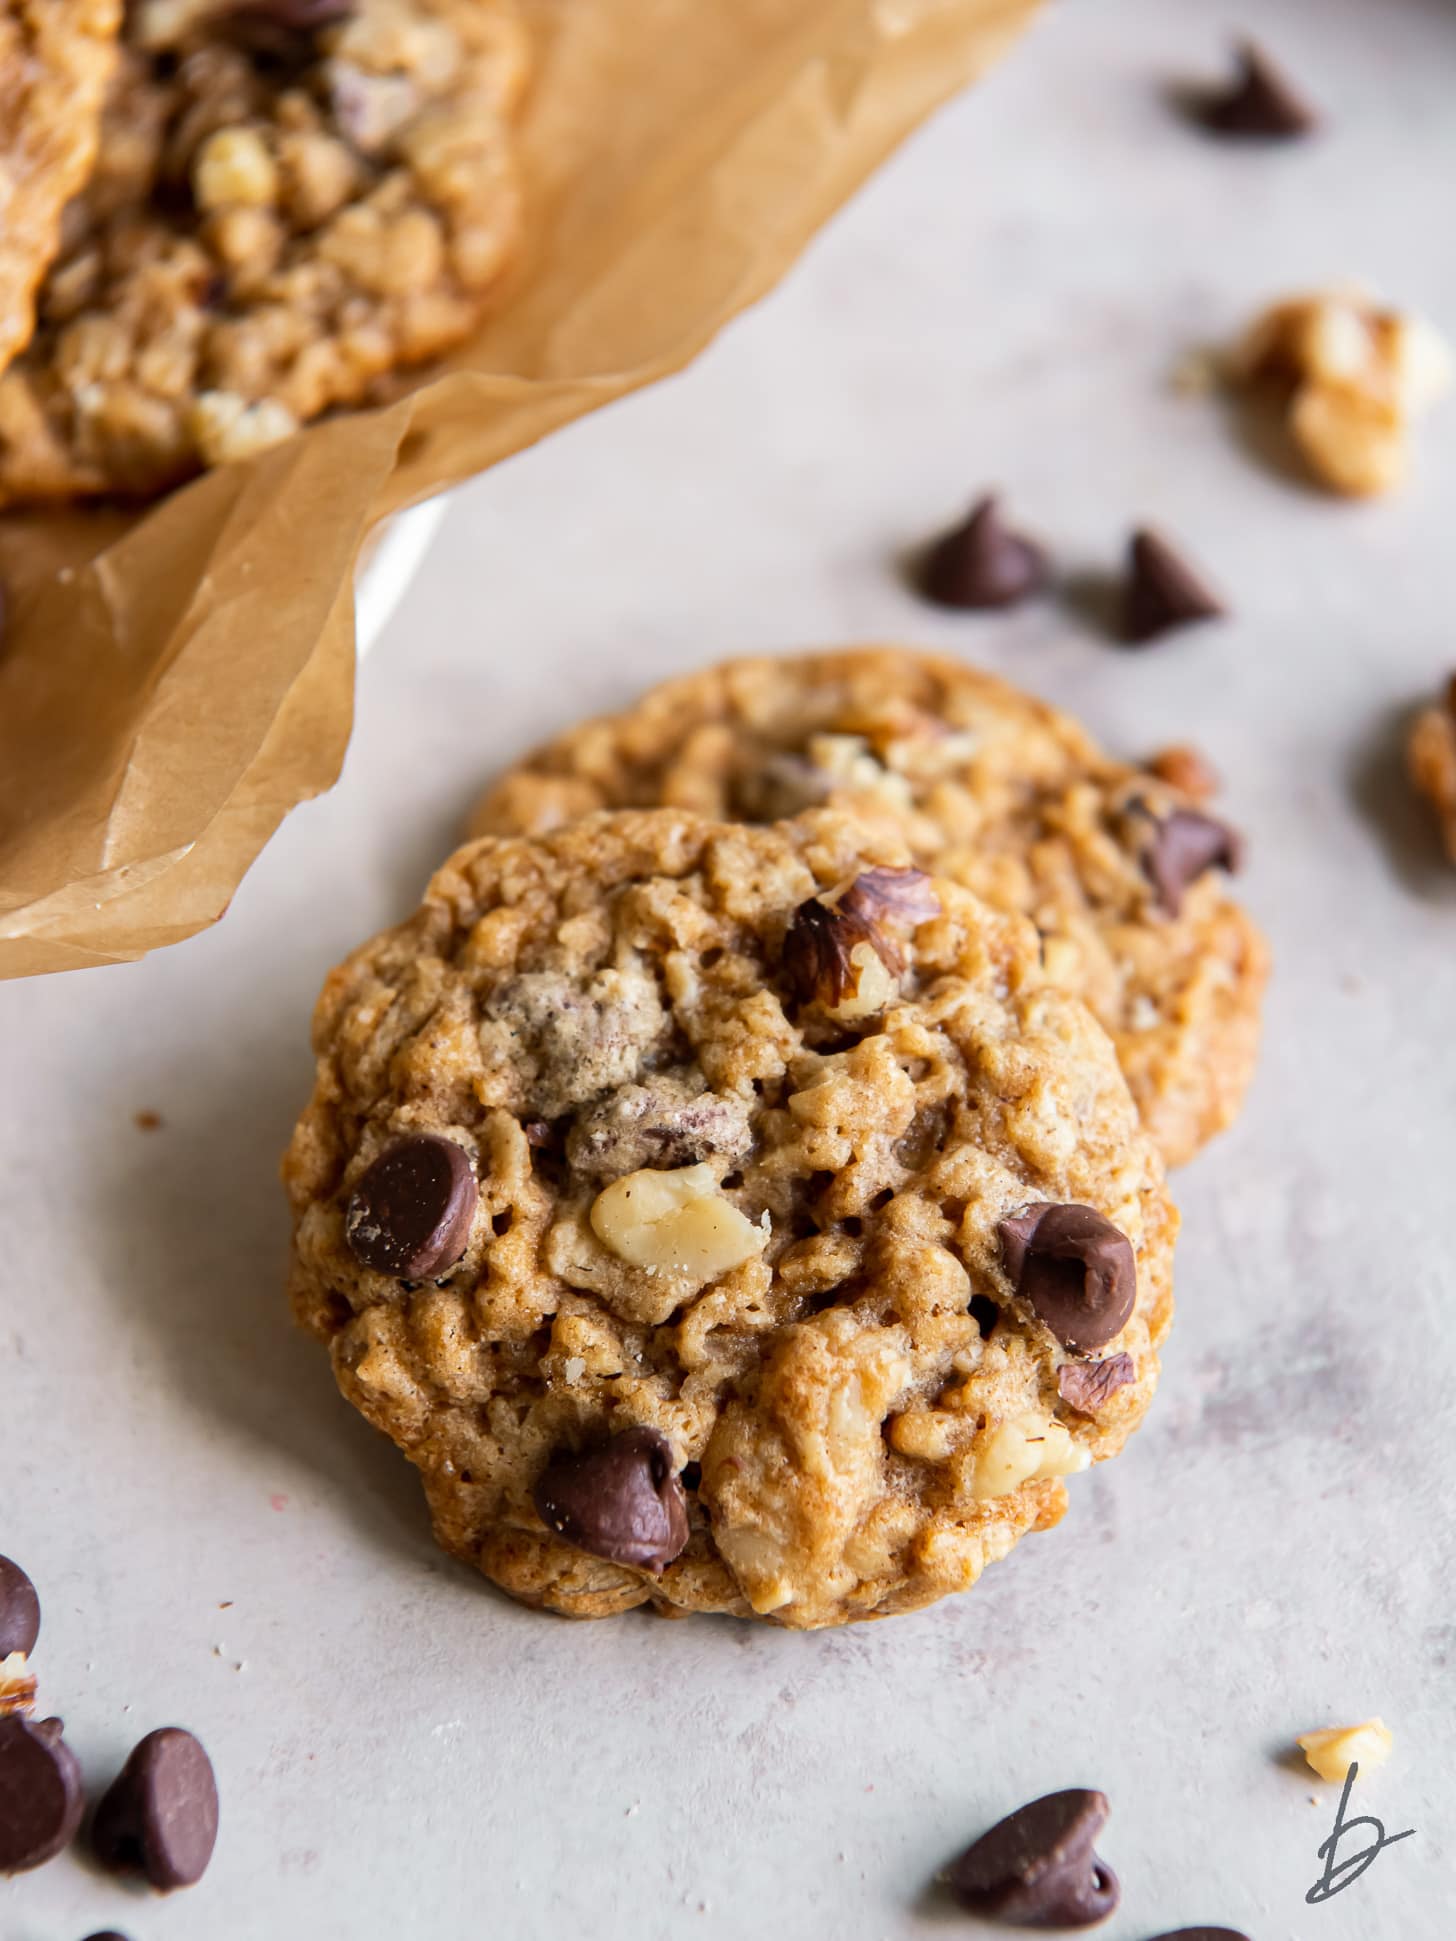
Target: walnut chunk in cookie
680,1289
1431,762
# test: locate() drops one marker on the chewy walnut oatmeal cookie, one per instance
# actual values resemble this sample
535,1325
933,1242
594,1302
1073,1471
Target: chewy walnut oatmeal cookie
55,59
293,199
725,1218
989,787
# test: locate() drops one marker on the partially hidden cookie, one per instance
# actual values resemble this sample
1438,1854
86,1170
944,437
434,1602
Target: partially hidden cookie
1121,872
55,60
727,1219
293,199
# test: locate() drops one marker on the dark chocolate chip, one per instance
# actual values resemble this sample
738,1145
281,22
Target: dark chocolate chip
618,1499
410,1215
1086,1385
19,1610
1074,1270
982,563
41,1796
1202,1934
1184,845
1259,101
159,1815
1163,592
1037,1868
110,1934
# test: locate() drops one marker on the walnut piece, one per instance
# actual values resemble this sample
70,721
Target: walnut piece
1335,1748
840,951
1024,1451
17,1684
674,1223
1352,378
1431,761
1184,768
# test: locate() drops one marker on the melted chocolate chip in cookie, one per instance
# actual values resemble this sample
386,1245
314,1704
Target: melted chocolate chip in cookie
41,1795
1037,1867
19,1610
410,1215
1186,844
1074,1270
1086,1385
619,1500
159,1817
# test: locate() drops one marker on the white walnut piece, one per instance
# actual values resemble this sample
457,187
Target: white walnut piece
1026,1450
675,1223
1335,1748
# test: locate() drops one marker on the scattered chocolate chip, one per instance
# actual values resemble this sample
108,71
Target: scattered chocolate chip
1037,1868
41,1796
159,1815
822,937
1202,1934
1086,1385
982,563
1162,591
1259,101
1185,769
19,1610
619,1499
1184,845
410,1215
110,1934
1074,1270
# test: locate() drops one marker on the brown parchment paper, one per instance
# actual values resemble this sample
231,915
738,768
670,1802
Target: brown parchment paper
173,681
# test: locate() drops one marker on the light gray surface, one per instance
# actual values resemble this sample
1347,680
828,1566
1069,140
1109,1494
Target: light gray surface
404,1754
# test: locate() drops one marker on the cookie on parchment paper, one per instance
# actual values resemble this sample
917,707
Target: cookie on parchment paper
293,200
725,1218
56,57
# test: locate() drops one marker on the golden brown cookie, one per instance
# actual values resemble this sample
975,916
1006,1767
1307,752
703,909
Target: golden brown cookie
293,199
55,59
1116,867
726,1218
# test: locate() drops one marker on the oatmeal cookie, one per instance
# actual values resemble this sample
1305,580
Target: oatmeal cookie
293,199
726,1218
989,787
55,58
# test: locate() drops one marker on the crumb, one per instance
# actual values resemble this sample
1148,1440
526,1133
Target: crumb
1335,1748
147,1121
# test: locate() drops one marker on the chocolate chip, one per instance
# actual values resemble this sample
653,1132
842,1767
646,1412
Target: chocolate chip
1202,1934
982,563
1260,101
159,1815
19,1610
41,1796
619,1499
410,1215
1162,592
1184,845
820,942
109,1935
1074,1270
1086,1385
1037,1869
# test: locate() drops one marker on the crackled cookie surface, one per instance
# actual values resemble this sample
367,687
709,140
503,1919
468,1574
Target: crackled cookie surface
727,1218
55,58
292,199
1120,871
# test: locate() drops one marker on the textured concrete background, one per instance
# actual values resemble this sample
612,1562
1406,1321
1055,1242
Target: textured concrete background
404,1754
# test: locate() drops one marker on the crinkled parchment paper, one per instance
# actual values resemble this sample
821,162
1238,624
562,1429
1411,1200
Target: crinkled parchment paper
173,682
